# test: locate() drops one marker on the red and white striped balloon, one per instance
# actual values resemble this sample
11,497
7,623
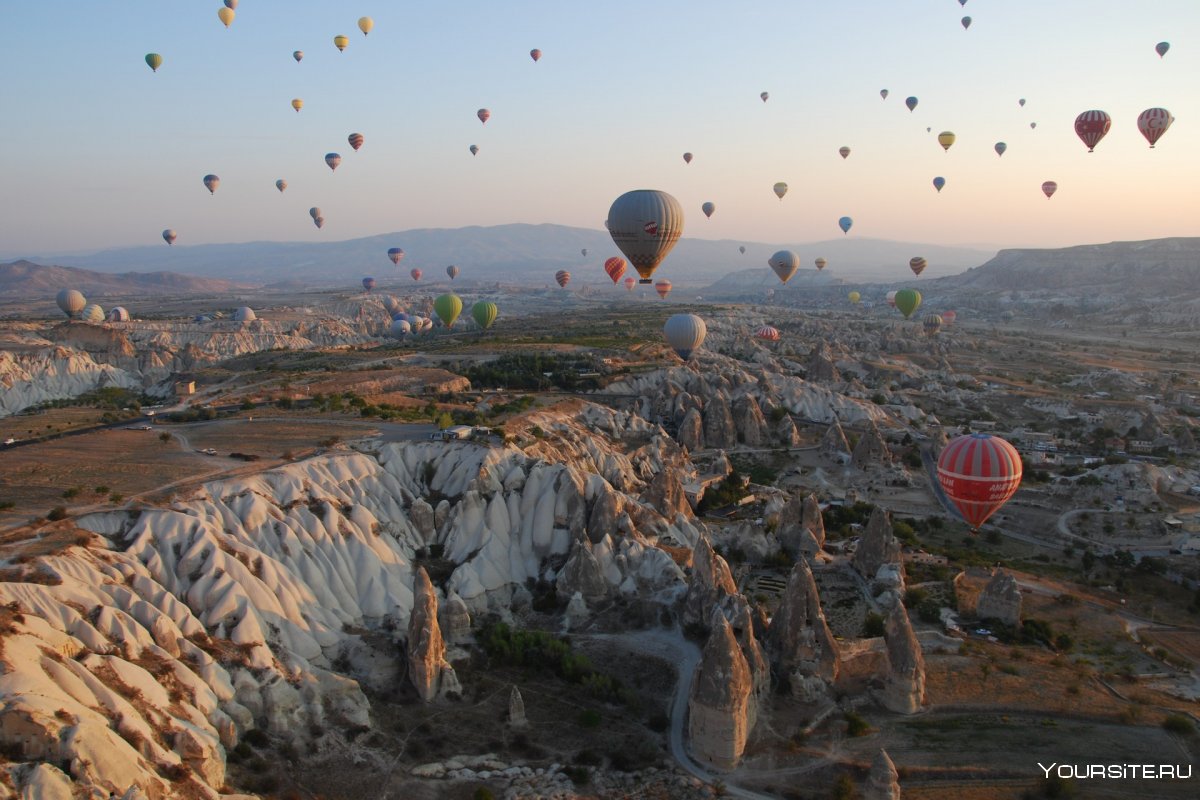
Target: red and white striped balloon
1091,127
768,333
1153,123
979,473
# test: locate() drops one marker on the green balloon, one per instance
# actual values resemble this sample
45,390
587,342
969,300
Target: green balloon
484,313
908,301
448,307
154,61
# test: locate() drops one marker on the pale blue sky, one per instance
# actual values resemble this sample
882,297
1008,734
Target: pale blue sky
102,152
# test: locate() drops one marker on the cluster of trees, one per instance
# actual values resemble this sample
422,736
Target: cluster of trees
534,372
544,652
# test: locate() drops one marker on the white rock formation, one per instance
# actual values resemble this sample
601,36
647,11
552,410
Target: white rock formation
718,709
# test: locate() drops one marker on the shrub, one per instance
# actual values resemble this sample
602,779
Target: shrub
856,725
57,513
872,625
1179,724
590,718
483,793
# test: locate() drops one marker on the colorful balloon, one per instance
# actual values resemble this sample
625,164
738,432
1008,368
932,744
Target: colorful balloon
645,224
945,139
474,149
484,115
244,314
154,61
1049,188
844,151
685,333
416,273
211,182
687,158
931,324
563,278
615,267
340,42
855,298
765,96
780,189
365,24
298,55
1091,127
395,254
630,282
225,15
844,223
1000,147
917,264
767,333
447,307
231,4
332,160
70,301
891,298
949,317
708,209
911,102
452,271
169,236
939,182
663,287
784,264
314,212
821,263
281,184
92,312
1161,48
535,54
979,473
1153,123
118,314
297,104
368,283
400,328
356,141
883,93
907,301
484,313
319,222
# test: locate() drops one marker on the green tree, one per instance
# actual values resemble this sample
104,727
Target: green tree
444,420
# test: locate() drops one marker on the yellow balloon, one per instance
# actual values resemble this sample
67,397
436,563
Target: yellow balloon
365,24
340,42
945,139
297,104
225,15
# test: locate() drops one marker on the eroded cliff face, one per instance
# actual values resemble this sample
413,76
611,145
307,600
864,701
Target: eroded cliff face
718,710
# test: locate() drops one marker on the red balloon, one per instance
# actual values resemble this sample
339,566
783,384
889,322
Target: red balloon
416,274
615,267
663,288
1091,127
768,333
563,277
979,473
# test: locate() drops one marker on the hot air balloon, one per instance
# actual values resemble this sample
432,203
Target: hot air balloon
1153,123
767,333
615,267
907,301
979,473
663,287
395,254
484,314
1161,48
883,93
687,158
391,305
917,264
1000,147
332,160
931,324
844,151
298,55
945,139
231,4
708,209
484,115
911,102
211,182
281,184
154,61
92,312
784,264
416,273
891,298
962,2
645,224
314,212
855,297
780,189
966,22
1049,188
765,96
583,252
685,333
630,282
118,314
244,314
340,42
447,307
563,277
452,271
319,222
400,328
1091,127
169,236
821,263
368,283
1032,125
365,24
844,223
948,317
225,15
70,301
474,149
535,54
356,141
297,104
939,182
742,249
1021,102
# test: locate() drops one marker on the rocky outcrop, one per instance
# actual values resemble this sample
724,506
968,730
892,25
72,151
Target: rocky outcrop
883,781
834,443
583,575
749,422
711,583
516,709
820,365
719,431
799,640
1000,599
801,528
904,685
871,450
718,709
877,545
455,620
691,430
428,669
787,433
665,494
741,620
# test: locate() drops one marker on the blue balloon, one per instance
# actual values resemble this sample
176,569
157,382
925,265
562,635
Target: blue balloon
844,223
939,182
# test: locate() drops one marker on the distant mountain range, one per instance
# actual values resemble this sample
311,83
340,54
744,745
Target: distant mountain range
21,279
528,254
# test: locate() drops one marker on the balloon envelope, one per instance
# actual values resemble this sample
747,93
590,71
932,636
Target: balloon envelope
630,282
368,283
474,149
1161,48
169,236
297,104
332,160
1021,102
767,333
855,297
118,314
340,42
211,182
356,140
314,212
708,209
1091,127
917,264
645,224
615,268
535,54
784,264
948,317
400,328
932,324
225,15
742,249
966,22
685,333
907,301
563,278
883,93
92,312
979,473
687,158
416,273
1000,148
821,263
154,61
780,189
844,223
891,299
70,301
447,307
298,55
911,102
484,313
1153,123
663,287
765,96
452,271
395,254
945,139
939,182
244,314
484,115
319,222
844,151
365,24
281,184
1049,188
